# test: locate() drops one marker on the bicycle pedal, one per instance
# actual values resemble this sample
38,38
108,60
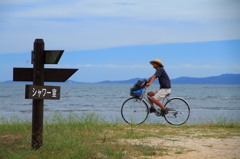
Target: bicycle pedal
157,113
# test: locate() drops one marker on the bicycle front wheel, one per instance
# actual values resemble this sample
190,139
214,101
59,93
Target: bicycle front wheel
134,111
179,111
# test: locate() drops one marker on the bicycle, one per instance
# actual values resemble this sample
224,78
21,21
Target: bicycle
135,110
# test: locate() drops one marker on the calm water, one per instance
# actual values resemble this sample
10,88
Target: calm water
207,102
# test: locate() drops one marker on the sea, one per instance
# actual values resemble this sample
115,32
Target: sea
208,103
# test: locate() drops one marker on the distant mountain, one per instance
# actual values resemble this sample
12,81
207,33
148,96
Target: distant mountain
9,81
233,79
222,79
134,80
71,81
68,81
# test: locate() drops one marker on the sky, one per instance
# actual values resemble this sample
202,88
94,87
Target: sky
116,39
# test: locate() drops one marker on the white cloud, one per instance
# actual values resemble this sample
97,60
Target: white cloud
112,66
126,4
8,2
175,10
200,66
186,66
237,66
82,25
98,66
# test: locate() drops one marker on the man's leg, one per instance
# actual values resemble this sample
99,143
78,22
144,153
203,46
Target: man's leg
164,110
153,100
159,96
151,94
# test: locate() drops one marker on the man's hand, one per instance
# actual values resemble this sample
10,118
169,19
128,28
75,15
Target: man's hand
150,80
148,84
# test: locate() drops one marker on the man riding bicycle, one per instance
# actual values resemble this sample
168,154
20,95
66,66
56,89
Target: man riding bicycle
165,86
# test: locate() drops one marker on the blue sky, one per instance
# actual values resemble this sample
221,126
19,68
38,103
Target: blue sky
115,40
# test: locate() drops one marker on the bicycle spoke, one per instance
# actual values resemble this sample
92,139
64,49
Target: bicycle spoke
179,111
134,111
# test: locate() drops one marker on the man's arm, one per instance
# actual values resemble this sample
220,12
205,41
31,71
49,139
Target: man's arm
150,80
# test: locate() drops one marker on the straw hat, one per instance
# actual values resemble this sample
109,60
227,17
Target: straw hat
158,61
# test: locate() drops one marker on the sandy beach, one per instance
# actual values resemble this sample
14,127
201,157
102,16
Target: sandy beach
182,147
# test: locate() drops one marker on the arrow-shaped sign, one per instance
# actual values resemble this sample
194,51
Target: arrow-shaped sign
50,74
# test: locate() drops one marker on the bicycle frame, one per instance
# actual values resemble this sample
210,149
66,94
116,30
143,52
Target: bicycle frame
145,97
164,100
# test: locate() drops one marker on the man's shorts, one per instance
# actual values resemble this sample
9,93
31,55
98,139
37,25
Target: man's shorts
159,94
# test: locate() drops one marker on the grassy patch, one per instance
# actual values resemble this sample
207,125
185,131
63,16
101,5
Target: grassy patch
90,136
207,145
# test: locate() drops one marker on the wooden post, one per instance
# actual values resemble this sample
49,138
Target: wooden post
38,75
37,105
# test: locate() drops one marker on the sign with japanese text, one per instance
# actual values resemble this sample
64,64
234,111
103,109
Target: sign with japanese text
42,92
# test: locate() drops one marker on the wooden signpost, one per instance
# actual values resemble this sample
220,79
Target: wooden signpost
38,92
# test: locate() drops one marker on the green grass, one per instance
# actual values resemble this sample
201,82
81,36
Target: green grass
207,145
90,136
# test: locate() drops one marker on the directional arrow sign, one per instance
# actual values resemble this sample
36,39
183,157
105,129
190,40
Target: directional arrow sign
42,92
50,74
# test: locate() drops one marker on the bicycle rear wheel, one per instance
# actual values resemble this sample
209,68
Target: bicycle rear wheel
134,111
179,111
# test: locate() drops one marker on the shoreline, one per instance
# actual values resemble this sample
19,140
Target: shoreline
210,117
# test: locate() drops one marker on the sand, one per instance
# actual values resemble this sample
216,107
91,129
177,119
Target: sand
194,148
